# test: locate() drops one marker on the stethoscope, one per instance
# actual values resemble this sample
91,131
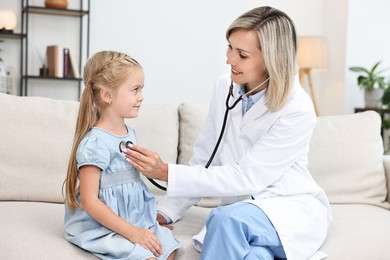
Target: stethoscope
125,144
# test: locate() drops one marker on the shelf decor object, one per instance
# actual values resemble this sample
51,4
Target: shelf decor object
312,55
62,4
8,21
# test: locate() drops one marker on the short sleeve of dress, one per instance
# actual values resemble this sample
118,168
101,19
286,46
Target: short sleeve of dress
92,151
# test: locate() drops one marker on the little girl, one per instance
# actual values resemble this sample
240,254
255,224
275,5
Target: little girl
109,210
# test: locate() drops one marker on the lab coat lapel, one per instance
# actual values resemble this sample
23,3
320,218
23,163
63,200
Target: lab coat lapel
257,110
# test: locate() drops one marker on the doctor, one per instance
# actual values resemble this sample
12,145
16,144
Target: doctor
272,207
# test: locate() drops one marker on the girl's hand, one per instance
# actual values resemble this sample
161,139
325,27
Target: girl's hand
146,239
147,162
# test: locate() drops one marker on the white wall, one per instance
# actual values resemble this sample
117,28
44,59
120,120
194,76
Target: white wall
331,83
181,44
368,41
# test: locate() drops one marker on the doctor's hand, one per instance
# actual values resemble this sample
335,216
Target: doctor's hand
147,162
163,222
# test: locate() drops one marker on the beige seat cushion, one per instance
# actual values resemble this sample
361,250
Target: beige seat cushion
358,232
346,158
35,230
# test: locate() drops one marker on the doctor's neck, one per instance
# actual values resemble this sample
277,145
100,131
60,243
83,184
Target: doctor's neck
258,88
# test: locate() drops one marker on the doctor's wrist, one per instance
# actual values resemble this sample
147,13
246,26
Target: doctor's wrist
163,218
164,172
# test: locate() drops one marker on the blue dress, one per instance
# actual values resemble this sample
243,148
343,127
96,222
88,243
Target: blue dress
122,190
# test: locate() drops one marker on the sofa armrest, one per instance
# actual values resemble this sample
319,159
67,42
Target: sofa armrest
386,165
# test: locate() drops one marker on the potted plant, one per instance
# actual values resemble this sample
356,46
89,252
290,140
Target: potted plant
373,84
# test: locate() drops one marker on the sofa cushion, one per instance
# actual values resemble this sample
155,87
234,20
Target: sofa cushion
346,158
36,170
358,232
35,139
192,118
35,230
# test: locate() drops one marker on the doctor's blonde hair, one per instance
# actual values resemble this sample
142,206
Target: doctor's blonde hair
278,44
106,70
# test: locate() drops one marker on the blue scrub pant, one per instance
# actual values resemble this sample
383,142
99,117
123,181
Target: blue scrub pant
241,231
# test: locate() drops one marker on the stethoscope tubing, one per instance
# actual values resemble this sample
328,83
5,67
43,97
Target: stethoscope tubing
228,108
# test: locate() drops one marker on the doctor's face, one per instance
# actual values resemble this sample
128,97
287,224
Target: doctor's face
246,60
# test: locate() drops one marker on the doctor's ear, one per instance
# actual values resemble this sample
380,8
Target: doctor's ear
105,95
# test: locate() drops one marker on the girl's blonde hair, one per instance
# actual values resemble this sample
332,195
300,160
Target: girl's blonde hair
278,44
104,70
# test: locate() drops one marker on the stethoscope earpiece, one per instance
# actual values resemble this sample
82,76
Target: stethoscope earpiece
124,145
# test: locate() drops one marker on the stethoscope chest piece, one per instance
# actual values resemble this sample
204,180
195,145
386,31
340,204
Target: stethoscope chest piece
124,145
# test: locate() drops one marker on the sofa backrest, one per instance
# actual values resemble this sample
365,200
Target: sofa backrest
346,152
192,117
35,139
346,158
36,135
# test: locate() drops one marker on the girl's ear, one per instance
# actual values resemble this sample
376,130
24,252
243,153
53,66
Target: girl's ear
105,95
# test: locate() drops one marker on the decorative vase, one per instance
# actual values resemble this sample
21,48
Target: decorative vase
373,99
62,4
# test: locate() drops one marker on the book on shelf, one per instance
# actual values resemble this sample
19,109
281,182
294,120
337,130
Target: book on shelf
61,62
66,67
51,59
74,69
55,60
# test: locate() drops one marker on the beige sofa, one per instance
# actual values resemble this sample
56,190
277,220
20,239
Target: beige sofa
35,139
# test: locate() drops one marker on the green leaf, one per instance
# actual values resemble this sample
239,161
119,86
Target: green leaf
359,69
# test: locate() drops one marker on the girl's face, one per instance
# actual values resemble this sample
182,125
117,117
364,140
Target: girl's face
126,101
245,58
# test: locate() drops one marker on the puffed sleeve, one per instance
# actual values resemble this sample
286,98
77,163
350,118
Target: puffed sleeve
92,151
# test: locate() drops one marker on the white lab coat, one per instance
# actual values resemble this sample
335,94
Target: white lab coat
262,154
